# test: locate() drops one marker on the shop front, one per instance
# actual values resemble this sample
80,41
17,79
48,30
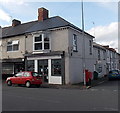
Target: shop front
11,67
49,66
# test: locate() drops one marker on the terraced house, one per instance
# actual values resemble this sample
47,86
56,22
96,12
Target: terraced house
51,46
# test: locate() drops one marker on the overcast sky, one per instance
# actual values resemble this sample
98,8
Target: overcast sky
101,18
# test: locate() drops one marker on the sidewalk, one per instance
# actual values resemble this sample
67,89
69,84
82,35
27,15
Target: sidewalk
75,86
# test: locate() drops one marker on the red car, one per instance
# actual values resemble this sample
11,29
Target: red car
27,78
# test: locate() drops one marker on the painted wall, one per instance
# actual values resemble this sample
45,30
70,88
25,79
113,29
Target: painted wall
100,64
58,41
76,59
13,54
62,40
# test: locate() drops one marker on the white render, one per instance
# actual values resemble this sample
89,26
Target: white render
61,39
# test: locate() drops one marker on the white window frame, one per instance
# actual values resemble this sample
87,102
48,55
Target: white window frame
14,42
43,36
74,42
90,47
36,42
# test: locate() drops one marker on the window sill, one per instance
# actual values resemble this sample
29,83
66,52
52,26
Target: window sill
41,51
12,51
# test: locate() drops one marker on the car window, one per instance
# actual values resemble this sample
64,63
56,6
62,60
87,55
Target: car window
115,72
19,74
35,74
26,74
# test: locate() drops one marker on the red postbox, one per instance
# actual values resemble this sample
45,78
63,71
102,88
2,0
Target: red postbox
88,77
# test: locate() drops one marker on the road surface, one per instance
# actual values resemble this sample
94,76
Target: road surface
103,97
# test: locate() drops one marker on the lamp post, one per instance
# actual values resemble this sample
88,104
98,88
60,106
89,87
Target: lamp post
84,64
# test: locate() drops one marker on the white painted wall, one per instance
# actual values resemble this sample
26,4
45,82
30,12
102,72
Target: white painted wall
102,62
13,54
76,60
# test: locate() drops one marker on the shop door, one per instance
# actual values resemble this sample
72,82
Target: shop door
43,69
18,67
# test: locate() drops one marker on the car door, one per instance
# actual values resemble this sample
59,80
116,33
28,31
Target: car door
18,77
25,77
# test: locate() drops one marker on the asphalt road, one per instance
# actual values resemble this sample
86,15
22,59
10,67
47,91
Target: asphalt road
103,97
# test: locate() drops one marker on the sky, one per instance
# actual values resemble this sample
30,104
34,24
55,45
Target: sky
100,18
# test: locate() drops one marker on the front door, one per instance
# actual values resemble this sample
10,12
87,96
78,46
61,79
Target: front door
43,69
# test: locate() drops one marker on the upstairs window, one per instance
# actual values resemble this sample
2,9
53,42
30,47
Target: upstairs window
98,54
41,42
74,42
38,43
13,45
104,55
46,42
90,46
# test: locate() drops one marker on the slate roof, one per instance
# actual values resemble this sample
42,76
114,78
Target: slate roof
50,23
17,30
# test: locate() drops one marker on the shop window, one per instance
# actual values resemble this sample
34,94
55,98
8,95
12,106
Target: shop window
18,67
13,45
8,68
41,42
56,67
30,65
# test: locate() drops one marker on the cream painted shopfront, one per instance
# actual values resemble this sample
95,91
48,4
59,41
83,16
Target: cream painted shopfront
50,66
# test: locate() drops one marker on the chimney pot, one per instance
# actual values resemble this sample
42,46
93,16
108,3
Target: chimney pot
42,14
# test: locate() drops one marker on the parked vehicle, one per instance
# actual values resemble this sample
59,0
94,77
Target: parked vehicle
27,78
114,74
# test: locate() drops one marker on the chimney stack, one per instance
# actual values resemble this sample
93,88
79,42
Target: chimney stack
42,14
15,22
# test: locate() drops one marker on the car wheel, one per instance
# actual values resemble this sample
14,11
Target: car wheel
28,84
9,83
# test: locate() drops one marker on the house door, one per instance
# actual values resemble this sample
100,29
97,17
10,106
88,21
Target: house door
43,69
